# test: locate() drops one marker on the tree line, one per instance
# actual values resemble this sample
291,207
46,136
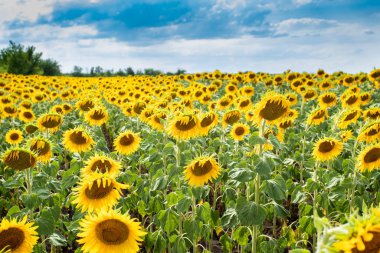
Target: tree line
21,60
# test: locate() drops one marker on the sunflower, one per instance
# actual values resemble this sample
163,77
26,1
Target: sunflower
184,126
127,143
374,75
17,236
102,164
146,114
327,149
327,100
224,103
272,107
244,104
201,170
10,111
371,113
111,232
230,118
30,128
77,140
292,98
285,123
348,117
42,147
97,191
157,120
238,131
49,122
365,97
346,135
370,132
14,137
85,105
207,122
309,94
26,115
351,100
325,85
369,158
96,116
19,159
317,116
57,109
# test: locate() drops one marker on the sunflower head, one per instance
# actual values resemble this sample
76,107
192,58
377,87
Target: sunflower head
49,122
369,158
272,108
184,126
17,236
372,114
231,117
239,131
127,142
207,122
346,135
317,116
327,100
77,140
201,170
110,231
101,164
157,120
14,137
348,117
96,116
85,105
327,149
19,159
30,128
26,115
42,147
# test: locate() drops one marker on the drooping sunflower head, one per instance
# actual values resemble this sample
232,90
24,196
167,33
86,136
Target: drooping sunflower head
101,164
309,94
371,114
370,132
97,191
317,116
348,117
96,116
231,117
239,131
351,100
19,159
42,147
327,100
207,122
14,137
26,115
17,236
85,105
272,108
157,120
201,170
184,126
369,158
127,142
49,122
110,231
285,123
30,128
77,140
365,98
327,149
374,75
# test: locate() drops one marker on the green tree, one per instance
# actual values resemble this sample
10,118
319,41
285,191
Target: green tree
17,59
50,67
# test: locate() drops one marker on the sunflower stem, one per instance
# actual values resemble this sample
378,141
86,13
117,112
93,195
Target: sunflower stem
352,195
195,244
315,212
107,136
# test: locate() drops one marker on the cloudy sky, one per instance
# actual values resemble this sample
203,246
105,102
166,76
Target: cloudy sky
199,35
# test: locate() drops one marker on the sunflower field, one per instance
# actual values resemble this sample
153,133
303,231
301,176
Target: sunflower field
204,162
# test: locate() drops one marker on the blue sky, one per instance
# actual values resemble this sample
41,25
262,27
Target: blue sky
199,35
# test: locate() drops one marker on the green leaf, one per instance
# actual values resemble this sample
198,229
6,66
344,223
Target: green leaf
299,251
227,243
249,212
184,204
57,240
13,210
160,183
241,175
275,188
274,141
241,235
230,218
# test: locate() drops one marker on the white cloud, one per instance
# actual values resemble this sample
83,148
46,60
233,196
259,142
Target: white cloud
25,10
301,2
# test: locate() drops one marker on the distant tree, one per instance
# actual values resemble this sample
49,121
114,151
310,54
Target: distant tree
120,72
77,71
130,72
152,72
180,72
50,67
16,59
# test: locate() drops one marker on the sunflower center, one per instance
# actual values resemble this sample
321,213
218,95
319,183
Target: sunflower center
372,155
328,99
98,115
98,192
78,138
224,103
372,132
185,126
12,238
102,166
364,97
200,170
244,103
139,107
112,232
273,110
239,131
14,136
373,115
350,116
31,129
51,121
372,246
351,100
19,160
326,146
127,140
87,106
232,118
40,147
285,124
10,110
206,121
309,94
28,115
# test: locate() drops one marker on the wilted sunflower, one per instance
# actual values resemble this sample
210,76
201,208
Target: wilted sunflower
207,122
111,232
327,149
127,143
272,107
317,116
49,122
327,100
238,131
14,137
42,147
19,159
17,236
26,115
102,164
369,158
30,128
77,140
230,118
97,191
201,170
350,116
184,126
96,116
